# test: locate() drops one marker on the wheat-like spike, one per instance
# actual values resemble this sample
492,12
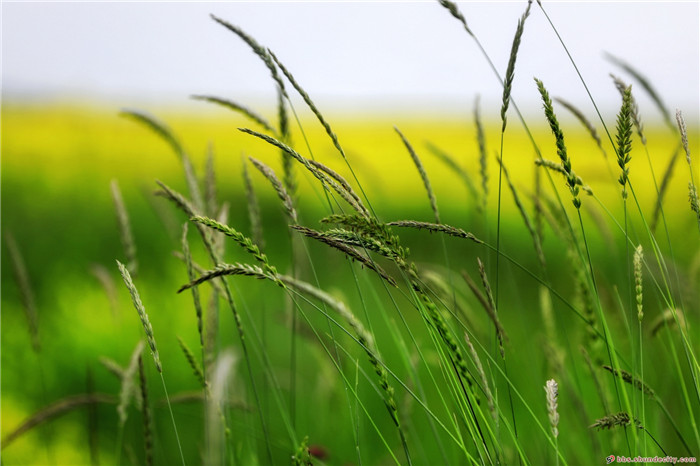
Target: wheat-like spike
236,107
552,390
195,291
222,270
25,289
363,241
210,196
559,168
452,164
279,189
423,174
136,299
454,11
630,379
646,85
438,227
146,414
192,361
258,49
349,197
265,55
281,145
584,121
684,135
638,258
491,310
372,227
156,126
692,189
343,183
253,209
693,197
636,117
621,419
163,131
128,388
320,175
483,157
524,215
349,251
310,104
245,242
561,146
125,233
623,138
178,199
510,71
482,376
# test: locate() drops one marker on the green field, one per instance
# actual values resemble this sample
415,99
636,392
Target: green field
365,357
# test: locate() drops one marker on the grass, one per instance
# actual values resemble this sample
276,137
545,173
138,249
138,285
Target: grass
334,308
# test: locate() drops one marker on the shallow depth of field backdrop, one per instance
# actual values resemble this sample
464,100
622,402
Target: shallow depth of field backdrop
434,343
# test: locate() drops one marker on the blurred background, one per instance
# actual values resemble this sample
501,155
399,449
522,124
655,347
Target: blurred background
69,68
361,56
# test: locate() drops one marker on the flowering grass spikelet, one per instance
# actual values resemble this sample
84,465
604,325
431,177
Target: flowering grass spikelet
623,138
551,388
571,178
136,299
638,257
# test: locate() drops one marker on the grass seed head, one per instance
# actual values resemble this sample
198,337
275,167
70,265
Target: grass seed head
552,390
510,71
136,299
561,146
638,258
621,419
623,138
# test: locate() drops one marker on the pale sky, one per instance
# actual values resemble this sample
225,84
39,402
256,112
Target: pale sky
356,55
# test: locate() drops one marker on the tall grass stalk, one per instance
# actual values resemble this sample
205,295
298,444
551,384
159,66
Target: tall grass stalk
694,366
505,103
184,205
148,329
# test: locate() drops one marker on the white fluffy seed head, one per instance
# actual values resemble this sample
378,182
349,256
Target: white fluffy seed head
552,390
